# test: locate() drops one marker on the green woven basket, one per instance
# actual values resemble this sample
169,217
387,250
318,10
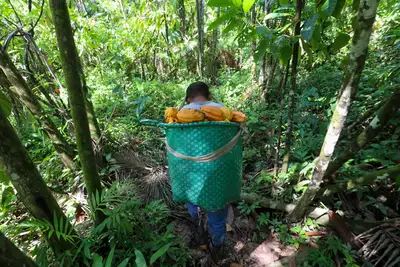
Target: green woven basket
216,179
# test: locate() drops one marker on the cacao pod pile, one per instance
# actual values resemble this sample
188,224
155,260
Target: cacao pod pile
206,113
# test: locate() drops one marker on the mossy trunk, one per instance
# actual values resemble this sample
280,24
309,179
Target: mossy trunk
292,92
26,96
31,189
70,64
200,36
281,93
213,64
370,132
182,17
253,16
358,54
11,256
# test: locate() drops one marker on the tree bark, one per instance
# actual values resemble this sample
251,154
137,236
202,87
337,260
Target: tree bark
288,141
11,256
26,96
32,190
213,74
70,64
200,36
358,54
281,91
253,15
6,86
182,16
365,137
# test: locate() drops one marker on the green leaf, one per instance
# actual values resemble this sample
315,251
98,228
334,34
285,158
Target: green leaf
338,9
5,104
283,2
264,32
328,7
86,251
232,24
260,51
237,3
285,54
224,18
97,260
3,177
340,41
124,262
159,253
307,48
308,27
219,3
110,257
140,261
247,4
276,15
356,5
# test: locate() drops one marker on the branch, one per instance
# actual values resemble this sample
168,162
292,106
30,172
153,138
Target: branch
393,172
16,14
38,19
375,126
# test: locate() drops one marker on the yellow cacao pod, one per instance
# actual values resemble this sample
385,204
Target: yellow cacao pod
170,113
170,120
228,113
187,115
213,113
238,117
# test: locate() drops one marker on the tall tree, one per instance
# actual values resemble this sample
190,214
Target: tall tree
358,54
212,65
26,96
253,16
200,8
289,129
182,17
70,64
11,256
31,189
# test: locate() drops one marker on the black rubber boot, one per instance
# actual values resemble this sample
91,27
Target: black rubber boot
217,253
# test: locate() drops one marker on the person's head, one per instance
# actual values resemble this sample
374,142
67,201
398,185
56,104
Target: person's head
197,92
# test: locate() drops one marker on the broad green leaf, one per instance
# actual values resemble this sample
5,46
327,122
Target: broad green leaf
247,4
159,253
124,262
276,15
308,28
232,24
237,3
307,48
5,104
140,261
356,5
261,49
285,54
341,41
86,251
264,32
338,9
328,7
224,18
219,3
110,257
97,260
3,177
283,2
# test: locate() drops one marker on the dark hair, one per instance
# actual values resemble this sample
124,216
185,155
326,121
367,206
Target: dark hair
197,89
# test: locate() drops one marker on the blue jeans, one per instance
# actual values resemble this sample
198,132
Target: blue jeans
216,223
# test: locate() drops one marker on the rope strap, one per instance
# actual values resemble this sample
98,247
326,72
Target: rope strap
208,157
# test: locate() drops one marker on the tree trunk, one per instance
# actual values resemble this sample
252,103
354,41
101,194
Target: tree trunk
253,15
26,96
358,54
286,158
6,86
182,16
70,63
365,137
11,256
213,73
281,91
94,127
31,189
200,36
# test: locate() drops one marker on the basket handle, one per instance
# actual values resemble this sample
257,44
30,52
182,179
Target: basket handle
150,123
